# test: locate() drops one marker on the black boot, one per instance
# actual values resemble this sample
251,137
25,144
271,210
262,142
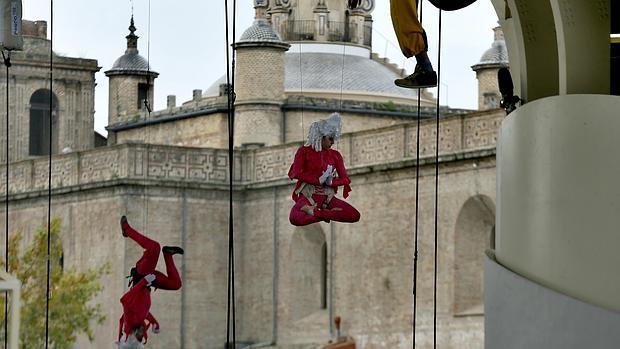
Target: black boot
124,224
172,250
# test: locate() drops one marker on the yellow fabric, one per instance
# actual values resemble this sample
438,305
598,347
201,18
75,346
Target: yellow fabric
407,27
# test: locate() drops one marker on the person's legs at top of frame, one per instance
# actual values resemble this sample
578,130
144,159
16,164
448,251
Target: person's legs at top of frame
413,43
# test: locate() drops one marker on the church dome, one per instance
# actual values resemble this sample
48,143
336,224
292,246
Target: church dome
331,72
260,31
322,73
497,55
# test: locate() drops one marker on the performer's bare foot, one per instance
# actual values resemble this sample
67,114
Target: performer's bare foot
124,225
308,209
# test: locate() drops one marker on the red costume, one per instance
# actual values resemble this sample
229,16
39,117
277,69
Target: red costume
136,305
307,167
137,300
147,263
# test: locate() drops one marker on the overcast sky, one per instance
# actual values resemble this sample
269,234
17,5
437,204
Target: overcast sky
187,42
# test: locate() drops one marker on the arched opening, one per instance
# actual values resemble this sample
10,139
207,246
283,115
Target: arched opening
308,271
475,227
39,141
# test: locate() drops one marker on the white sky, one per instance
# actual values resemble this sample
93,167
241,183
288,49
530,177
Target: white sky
187,42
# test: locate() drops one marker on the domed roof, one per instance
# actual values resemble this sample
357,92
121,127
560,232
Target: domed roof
324,72
130,61
331,71
497,54
260,31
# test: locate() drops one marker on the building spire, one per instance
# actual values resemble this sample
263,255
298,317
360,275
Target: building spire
132,38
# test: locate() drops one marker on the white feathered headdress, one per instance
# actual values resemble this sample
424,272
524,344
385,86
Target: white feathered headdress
332,126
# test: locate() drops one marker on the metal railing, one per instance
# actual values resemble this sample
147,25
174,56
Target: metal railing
307,30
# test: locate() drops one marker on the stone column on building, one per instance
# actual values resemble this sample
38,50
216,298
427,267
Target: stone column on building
486,71
279,15
357,19
259,86
321,18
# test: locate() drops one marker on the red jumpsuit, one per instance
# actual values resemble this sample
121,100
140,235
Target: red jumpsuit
147,263
136,305
307,167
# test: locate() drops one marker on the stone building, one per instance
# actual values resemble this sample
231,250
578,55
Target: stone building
73,99
167,170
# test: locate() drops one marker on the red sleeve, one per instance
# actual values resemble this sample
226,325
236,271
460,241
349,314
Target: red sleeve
151,319
120,327
343,178
297,170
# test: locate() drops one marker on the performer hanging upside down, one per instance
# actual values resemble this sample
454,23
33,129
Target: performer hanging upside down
319,171
413,43
137,318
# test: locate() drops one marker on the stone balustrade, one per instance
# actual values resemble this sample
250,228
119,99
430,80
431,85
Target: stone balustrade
137,163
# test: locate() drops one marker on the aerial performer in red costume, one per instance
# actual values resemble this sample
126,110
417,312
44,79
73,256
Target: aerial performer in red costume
137,318
319,171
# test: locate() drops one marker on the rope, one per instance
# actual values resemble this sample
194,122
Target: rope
344,47
417,196
436,187
301,82
147,105
230,310
49,178
7,63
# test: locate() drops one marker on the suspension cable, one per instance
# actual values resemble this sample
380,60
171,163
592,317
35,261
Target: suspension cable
344,47
230,70
436,186
417,196
301,78
49,176
7,64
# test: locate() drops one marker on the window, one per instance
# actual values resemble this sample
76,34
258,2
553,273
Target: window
39,136
143,94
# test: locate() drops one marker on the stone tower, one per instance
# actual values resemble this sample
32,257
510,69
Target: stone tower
131,83
259,83
486,71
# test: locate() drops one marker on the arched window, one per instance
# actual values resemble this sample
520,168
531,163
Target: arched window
307,281
475,226
40,123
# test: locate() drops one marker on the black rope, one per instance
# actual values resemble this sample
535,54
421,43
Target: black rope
436,186
7,64
417,195
301,82
230,309
344,47
49,178
147,102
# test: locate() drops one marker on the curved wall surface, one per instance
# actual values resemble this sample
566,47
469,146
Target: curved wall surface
558,195
522,314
